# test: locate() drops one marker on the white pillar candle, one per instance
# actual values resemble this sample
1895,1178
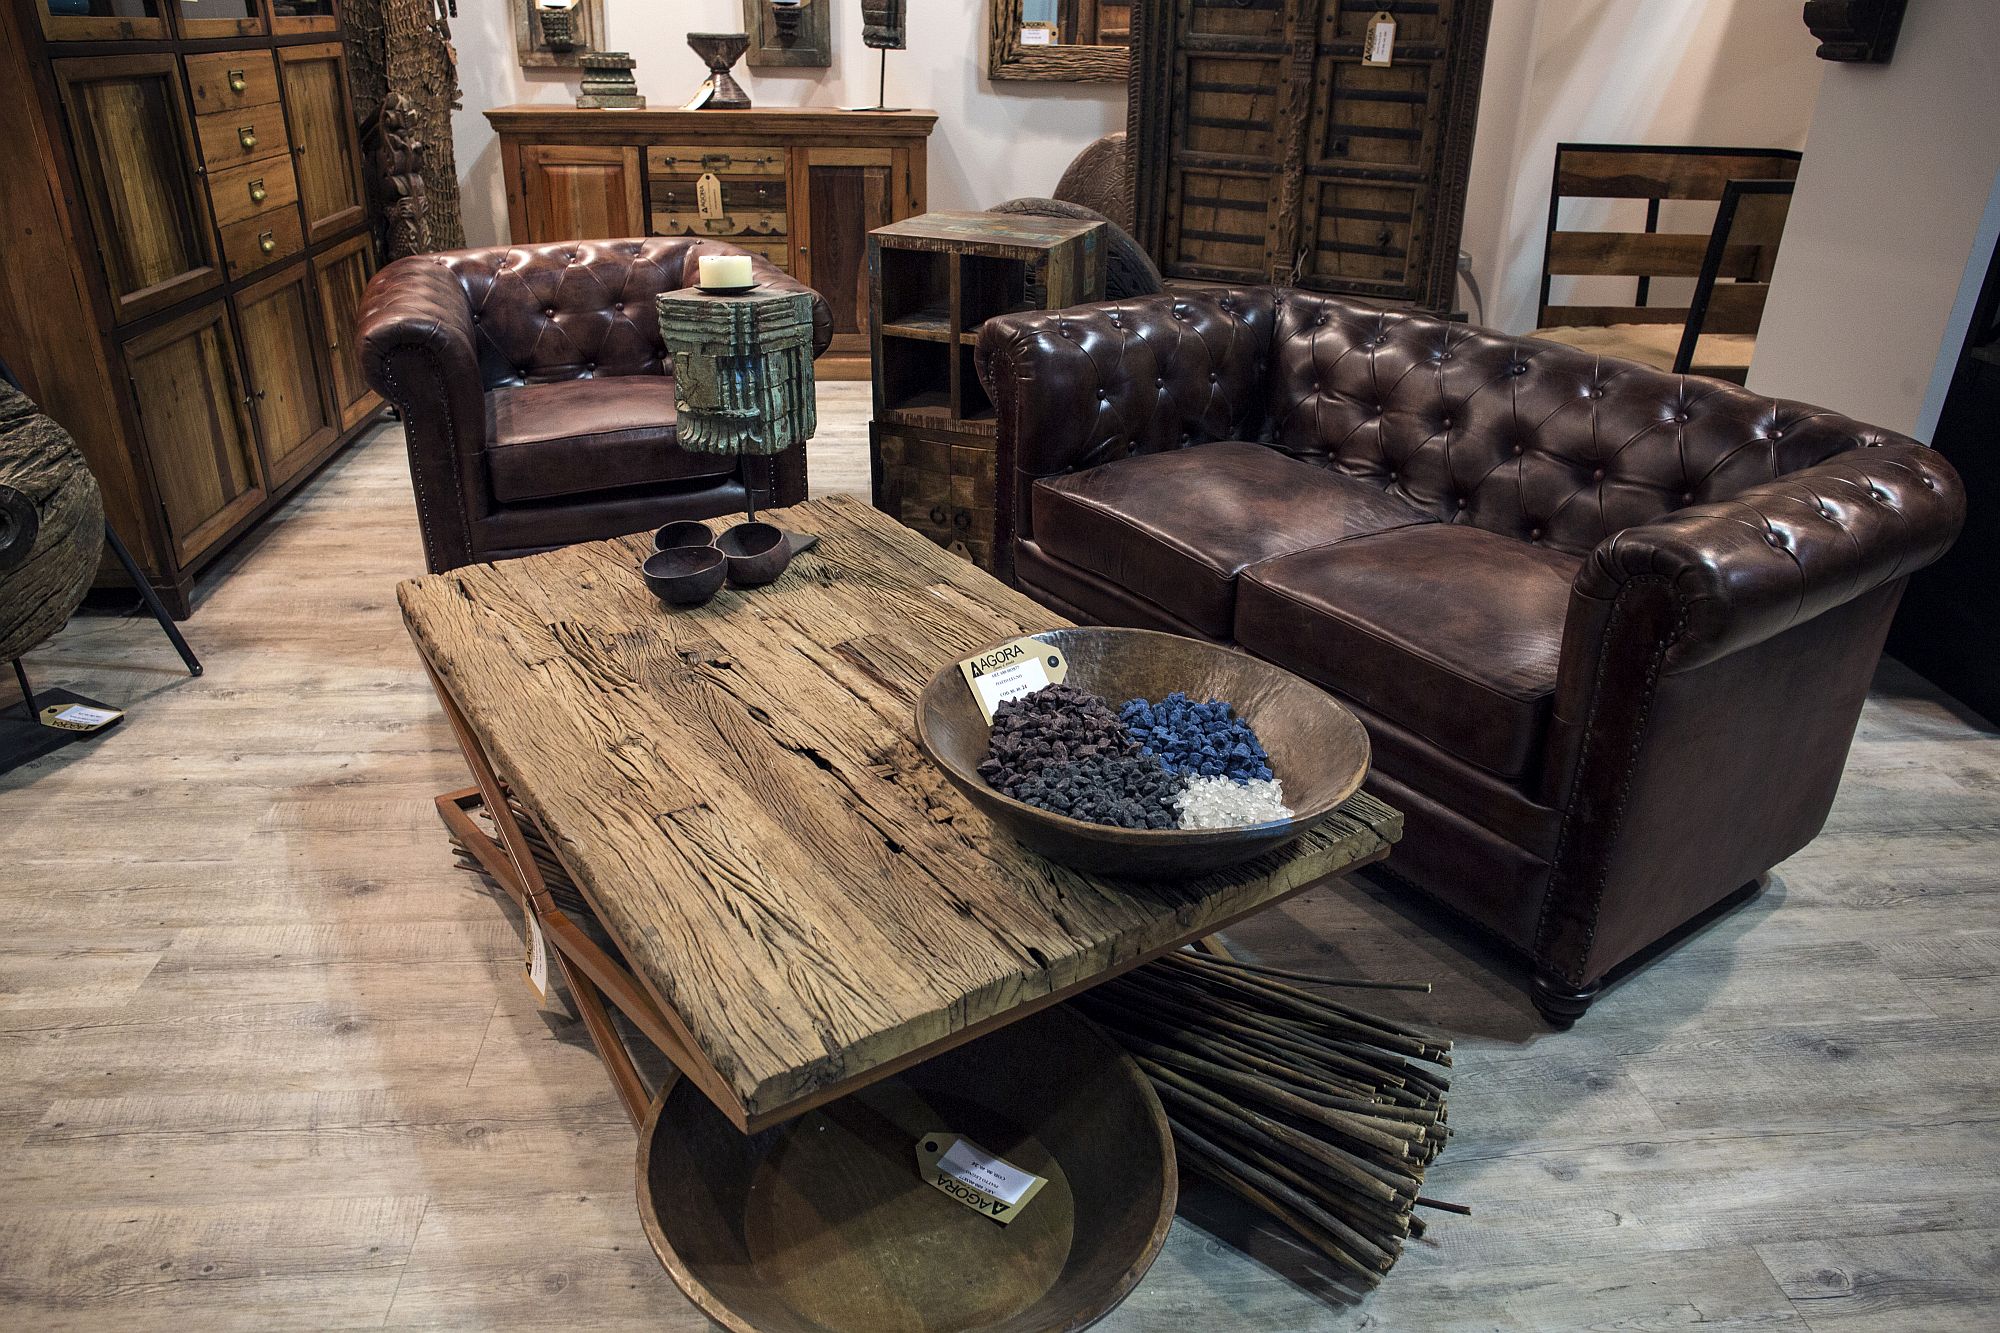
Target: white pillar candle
725,270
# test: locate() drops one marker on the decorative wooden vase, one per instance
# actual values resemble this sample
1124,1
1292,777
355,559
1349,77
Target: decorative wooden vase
51,526
719,51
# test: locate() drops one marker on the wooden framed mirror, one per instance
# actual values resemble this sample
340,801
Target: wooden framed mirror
1080,41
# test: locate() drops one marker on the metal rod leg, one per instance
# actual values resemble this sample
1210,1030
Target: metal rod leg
27,691
152,599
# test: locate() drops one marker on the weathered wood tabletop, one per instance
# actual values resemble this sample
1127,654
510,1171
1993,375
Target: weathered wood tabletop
738,791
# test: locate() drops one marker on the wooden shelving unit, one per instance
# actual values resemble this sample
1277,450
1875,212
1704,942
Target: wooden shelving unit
933,281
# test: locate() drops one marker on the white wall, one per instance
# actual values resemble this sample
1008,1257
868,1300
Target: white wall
1711,72
993,141
1885,235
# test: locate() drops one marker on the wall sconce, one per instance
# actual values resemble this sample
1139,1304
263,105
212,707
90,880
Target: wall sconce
557,29
785,15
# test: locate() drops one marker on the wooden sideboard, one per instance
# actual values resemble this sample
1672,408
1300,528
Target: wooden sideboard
184,242
803,186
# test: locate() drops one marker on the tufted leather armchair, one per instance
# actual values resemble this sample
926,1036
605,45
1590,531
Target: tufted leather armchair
1610,629
538,398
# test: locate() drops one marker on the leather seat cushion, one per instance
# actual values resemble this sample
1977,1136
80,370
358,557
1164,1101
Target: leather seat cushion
571,437
1175,528
1447,630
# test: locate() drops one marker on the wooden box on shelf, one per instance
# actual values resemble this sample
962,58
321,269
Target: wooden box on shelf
933,280
185,232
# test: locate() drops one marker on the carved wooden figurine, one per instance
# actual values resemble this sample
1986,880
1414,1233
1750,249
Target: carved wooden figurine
396,170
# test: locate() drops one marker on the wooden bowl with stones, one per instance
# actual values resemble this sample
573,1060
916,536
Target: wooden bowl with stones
824,1223
1317,749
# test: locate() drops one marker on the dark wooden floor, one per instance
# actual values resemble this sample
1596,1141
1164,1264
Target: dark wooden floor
266,1060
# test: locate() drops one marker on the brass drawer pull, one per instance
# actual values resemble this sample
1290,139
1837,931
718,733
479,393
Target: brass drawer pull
237,83
266,242
938,515
961,519
258,194
247,136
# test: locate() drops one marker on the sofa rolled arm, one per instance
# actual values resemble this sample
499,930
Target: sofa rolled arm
418,352
1743,570
769,277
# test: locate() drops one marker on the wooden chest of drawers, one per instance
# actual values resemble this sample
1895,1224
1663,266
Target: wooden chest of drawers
800,186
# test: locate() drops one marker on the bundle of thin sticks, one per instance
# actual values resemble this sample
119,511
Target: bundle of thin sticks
1322,1116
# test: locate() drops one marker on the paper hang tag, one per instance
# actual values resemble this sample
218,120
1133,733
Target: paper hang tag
538,957
1037,34
962,1170
701,96
708,195
1378,46
1012,670
78,717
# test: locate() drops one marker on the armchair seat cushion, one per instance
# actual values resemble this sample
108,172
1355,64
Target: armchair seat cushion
1176,528
572,437
1447,630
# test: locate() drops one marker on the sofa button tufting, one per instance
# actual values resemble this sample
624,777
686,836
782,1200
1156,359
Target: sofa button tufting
1461,502
1776,539
1597,475
1681,417
1687,497
1534,534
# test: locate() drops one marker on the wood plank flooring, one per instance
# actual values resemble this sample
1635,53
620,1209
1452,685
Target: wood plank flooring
266,1061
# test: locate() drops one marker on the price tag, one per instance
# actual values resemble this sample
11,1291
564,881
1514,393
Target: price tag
538,957
708,195
1037,34
1378,47
983,1182
79,717
1012,670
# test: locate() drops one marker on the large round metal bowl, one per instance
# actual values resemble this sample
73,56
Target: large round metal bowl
825,1225
1318,750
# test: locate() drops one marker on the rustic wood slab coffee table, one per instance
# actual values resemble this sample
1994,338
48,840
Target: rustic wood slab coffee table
798,904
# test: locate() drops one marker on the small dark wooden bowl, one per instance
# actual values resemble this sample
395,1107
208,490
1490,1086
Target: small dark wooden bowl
1317,748
685,575
688,532
823,1225
757,553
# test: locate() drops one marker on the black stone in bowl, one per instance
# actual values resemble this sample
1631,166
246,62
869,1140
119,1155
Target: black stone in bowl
685,575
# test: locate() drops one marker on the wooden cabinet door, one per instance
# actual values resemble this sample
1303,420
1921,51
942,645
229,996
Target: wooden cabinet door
128,121
190,395
341,275
290,16
323,138
287,382
218,18
580,193
63,21
840,195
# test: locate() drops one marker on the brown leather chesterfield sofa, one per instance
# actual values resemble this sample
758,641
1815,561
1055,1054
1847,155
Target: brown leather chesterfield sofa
538,399
1609,628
